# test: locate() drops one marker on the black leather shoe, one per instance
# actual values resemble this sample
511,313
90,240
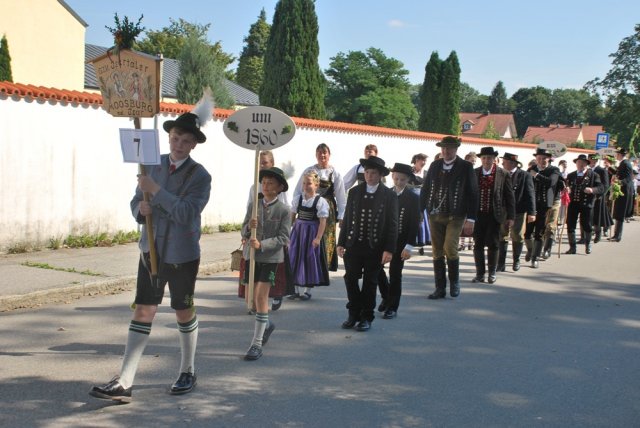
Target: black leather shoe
491,279
276,304
267,332
112,391
478,278
253,353
570,251
587,248
185,383
438,294
516,266
389,314
382,307
349,323
363,325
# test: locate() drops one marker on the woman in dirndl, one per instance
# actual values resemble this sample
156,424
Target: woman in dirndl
307,248
332,190
283,285
418,161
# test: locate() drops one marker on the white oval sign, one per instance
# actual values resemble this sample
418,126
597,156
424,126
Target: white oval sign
259,128
556,148
606,151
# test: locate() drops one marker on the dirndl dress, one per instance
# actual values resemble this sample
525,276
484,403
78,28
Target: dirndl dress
308,264
326,190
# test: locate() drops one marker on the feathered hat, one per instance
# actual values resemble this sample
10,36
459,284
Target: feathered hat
192,122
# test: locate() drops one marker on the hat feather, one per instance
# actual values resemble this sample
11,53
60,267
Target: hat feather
204,107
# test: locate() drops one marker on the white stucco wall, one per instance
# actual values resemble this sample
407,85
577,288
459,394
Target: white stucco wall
62,173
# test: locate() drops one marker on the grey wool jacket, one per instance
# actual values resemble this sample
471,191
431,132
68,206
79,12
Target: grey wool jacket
176,210
274,224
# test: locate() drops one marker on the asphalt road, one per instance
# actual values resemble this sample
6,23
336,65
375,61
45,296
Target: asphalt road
553,347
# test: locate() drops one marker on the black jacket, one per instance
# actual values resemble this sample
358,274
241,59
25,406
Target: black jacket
524,192
591,179
545,183
503,204
461,189
408,218
383,226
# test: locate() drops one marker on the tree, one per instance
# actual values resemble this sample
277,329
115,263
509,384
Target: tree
198,70
170,40
568,106
293,81
429,96
5,61
621,86
490,132
440,95
450,96
370,88
251,63
498,101
532,107
472,101
621,117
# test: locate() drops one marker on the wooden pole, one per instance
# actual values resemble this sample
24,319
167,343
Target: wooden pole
148,219
254,214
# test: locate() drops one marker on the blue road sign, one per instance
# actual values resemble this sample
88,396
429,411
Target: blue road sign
602,140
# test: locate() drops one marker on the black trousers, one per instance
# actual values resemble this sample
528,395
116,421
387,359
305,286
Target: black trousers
538,227
573,211
391,288
486,231
361,261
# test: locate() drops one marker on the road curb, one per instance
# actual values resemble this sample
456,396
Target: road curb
114,285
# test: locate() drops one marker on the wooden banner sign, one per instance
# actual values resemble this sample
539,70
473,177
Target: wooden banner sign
129,83
259,128
556,148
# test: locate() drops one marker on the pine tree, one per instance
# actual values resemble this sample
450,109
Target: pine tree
450,96
498,101
293,81
251,63
5,61
429,95
199,69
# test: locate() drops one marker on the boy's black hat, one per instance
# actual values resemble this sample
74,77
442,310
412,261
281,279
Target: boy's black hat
403,168
188,122
276,173
375,162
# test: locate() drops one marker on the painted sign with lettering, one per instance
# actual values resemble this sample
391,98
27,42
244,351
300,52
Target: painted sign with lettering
556,148
129,83
259,128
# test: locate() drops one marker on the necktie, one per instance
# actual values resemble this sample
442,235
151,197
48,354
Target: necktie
172,168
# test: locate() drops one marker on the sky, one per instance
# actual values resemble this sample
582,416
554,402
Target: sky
555,44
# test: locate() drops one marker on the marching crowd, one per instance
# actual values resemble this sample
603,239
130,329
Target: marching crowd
381,221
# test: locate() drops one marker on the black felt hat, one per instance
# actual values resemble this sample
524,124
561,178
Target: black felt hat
594,156
449,141
581,157
188,122
543,152
375,162
276,173
488,151
403,168
513,158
